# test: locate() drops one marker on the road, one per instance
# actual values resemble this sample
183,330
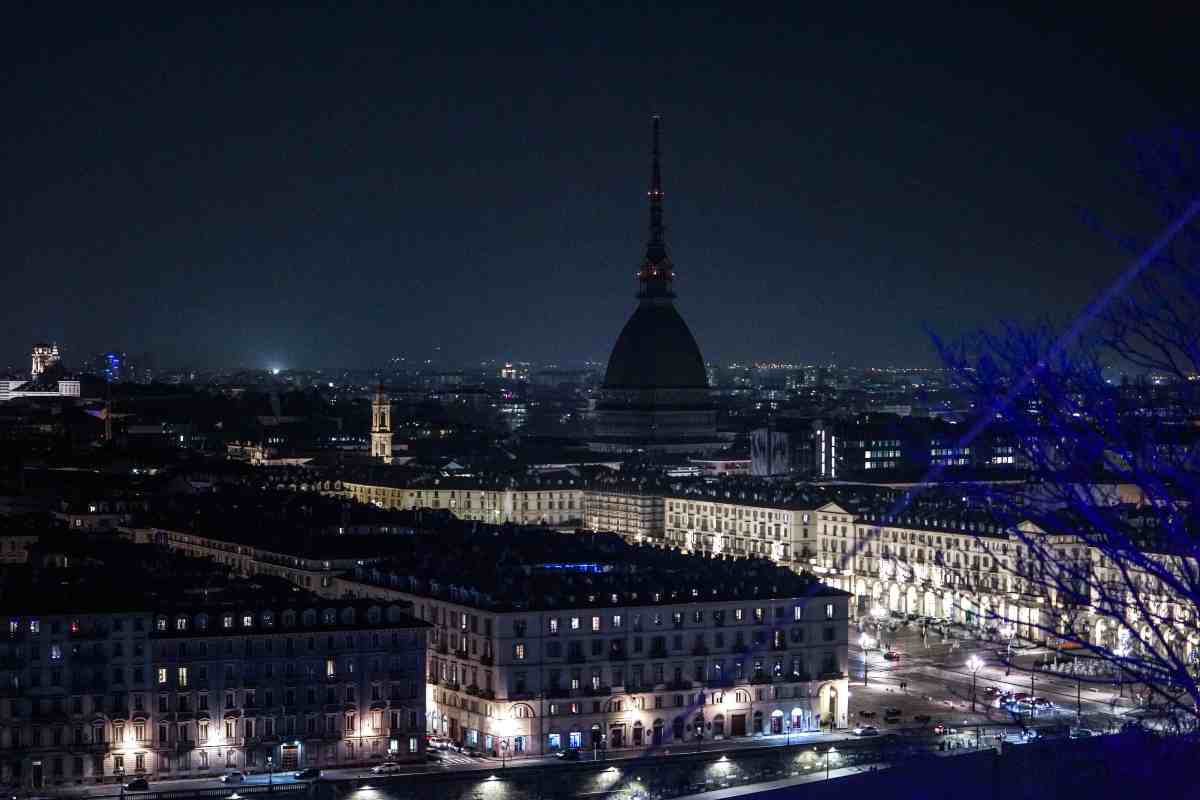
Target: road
939,683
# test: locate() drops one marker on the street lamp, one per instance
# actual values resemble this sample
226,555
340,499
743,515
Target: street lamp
974,664
270,772
866,642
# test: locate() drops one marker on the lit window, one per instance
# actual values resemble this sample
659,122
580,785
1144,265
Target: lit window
227,621
554,625
519,651
574,623
829,611
616,622
247,620
162,674
183,677
595,624
56,652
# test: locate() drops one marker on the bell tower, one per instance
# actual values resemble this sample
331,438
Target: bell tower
381,426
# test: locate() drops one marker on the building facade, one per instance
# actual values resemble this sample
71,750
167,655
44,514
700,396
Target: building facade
536,502
632,676
93,696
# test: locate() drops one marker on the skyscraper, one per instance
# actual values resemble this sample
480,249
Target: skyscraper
655,395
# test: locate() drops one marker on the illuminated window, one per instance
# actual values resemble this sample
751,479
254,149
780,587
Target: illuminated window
162,675
829,611
183,677
574,623
595,624
519,651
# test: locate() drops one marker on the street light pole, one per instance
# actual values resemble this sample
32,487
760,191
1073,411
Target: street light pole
974,663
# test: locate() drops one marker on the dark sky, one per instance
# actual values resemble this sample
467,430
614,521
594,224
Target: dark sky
336,187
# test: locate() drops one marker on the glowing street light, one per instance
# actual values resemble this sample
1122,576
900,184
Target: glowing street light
866,642
974,664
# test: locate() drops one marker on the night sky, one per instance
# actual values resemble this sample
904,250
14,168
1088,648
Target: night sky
333,188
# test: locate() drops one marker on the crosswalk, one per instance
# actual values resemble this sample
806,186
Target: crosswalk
451,758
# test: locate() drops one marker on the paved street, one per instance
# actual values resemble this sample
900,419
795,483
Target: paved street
939,683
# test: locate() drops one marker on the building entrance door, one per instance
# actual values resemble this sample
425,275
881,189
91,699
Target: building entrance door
289,757
737,725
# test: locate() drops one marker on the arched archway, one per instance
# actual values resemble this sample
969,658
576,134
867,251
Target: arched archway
910,600
893,598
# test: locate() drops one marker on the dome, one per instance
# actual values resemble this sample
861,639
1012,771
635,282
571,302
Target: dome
655,351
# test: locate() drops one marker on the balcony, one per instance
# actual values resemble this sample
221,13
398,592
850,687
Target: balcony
760,678
617,655
576,658
658,652
832,675
679,685
486,659
699,650
599,691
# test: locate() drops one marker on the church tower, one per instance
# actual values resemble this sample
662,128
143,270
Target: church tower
381,426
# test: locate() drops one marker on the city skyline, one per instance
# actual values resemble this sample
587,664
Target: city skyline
833,186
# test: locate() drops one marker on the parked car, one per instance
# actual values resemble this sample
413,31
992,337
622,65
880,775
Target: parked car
991,691
570,754
867,714
138,785
922,718
309,774
866,730
233,777
892,655
1042,704
939,729
1081,733
387,768
891,711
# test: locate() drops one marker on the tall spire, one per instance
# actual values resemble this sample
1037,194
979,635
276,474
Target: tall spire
656,273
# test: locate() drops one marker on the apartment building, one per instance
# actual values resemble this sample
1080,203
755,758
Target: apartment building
109,673
542,641
531,501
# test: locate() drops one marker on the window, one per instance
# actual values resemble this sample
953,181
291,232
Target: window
616,620
162,675
829,611
183,677
519,651
595,624
554,626
574,623
797,612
